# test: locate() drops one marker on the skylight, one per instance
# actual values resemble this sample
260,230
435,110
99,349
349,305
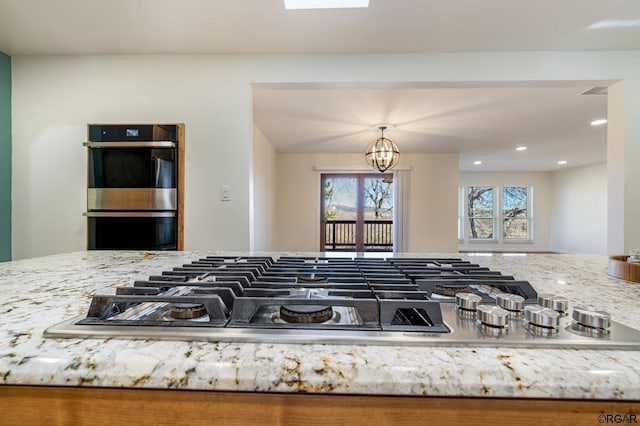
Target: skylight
615,23
324,4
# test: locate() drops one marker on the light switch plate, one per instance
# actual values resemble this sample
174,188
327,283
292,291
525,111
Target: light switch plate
225,193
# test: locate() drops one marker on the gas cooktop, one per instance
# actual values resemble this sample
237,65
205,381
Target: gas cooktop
394,301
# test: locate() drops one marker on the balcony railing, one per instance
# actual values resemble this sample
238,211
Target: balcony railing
341,235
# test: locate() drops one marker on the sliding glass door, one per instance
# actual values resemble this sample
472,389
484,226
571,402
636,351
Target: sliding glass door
356,212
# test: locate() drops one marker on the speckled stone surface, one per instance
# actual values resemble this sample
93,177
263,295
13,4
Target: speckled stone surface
37,293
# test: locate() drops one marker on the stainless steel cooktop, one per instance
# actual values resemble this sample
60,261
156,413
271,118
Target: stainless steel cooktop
395,301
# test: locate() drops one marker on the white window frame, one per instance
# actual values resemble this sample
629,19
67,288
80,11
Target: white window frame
528,218
464,226
467,225
461,213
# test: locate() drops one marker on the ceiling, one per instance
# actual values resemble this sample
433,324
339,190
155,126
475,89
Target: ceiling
78,27
481,123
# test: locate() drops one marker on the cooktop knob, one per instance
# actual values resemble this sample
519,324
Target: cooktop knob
467,301
511,302
541,317
592,319
493,316
557,303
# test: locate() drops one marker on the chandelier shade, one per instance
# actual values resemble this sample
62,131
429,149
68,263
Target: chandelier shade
382,154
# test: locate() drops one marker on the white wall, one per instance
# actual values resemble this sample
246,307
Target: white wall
579,209
263,181
55,97
616,169
541,208
431,205
623,173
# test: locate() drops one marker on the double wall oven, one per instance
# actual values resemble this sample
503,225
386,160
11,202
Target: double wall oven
135,187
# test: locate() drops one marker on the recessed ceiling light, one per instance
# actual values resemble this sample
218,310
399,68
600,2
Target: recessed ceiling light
599,122
324,4
477,163
615,23
562,162
521,148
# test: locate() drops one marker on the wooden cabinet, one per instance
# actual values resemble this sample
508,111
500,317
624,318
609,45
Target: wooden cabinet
78,406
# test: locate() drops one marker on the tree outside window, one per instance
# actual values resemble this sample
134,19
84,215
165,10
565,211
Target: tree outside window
378,198
480,212
329,207
515,213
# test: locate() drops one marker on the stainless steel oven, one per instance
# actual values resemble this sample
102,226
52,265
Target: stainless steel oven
132,230
132,193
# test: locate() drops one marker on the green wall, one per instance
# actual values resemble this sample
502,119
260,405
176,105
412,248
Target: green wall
5,157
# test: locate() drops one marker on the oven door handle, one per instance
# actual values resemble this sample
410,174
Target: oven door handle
129,214
126,144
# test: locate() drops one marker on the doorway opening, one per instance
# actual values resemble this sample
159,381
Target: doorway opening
356,212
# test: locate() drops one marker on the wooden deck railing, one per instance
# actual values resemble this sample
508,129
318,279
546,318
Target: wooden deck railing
341,235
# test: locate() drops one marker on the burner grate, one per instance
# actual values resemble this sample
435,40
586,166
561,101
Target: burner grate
153,310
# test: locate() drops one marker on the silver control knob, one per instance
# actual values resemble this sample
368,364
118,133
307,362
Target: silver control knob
592,317
510,302
557,303
468,301
542,317
493,316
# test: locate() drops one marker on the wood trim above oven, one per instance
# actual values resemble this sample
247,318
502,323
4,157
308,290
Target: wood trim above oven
181,174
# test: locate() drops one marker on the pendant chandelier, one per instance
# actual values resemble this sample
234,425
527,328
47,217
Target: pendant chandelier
382,154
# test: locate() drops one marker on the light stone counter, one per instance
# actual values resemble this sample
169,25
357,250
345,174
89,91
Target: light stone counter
37,293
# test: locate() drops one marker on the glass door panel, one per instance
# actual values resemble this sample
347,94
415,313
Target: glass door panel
378,212
340,212
357,212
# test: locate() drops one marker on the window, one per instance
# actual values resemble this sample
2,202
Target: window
480,212
460,213
494,213
515,213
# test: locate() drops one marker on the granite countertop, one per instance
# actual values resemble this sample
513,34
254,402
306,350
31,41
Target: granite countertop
37,293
